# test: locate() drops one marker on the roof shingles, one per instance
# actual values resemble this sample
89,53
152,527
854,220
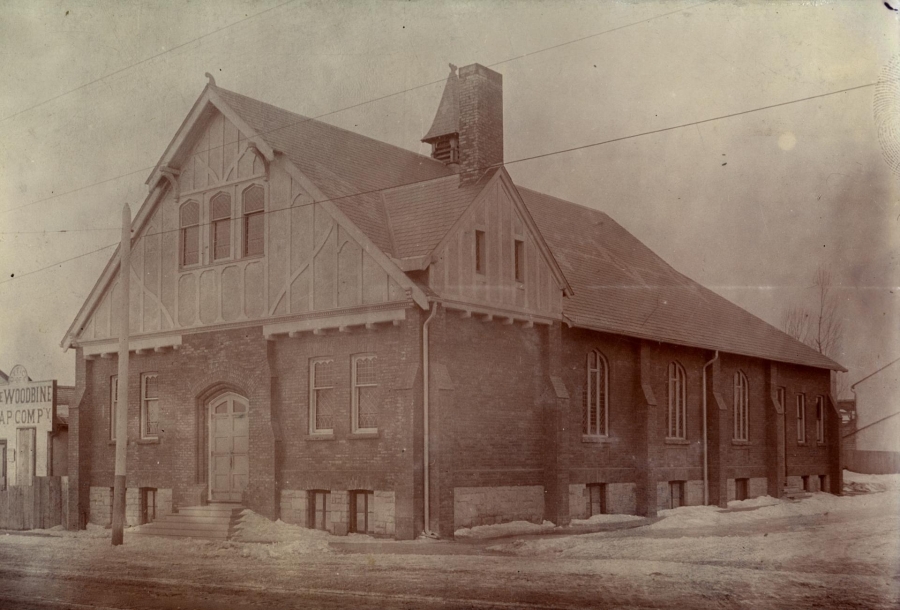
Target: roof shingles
405,203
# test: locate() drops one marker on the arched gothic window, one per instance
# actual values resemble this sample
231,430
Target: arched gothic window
190,233
741,406
220,226
596,395
254,199
676,415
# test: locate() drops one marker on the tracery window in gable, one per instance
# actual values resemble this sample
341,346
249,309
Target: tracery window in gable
253,201
189,219
220,226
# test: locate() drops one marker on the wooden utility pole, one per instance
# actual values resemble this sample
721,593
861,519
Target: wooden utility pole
118,515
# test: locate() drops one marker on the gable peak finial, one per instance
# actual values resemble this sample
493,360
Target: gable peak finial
452,69
212,80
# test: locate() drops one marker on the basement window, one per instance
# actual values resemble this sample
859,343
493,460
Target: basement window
319,505
148,505
480,252
805,479
676,494
823,482
520,261
362,511
597,499
741,489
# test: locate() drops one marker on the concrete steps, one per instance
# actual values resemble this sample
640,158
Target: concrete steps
210,522
795,493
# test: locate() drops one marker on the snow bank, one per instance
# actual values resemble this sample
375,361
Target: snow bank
598,519
855,482
504,529
283,538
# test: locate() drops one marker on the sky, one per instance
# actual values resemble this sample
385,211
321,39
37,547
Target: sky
748,205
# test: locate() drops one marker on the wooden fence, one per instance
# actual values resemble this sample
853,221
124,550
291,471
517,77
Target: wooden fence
872,462
38,506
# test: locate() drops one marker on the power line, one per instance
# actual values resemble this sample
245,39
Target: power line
370,101
520,160
143,61
57,264
49,231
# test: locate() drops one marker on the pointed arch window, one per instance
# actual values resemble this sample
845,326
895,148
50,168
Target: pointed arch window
596,396
190,233
220,226
676,415
253,201
741,407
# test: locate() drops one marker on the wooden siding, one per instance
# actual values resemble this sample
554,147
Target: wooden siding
311,263
453,275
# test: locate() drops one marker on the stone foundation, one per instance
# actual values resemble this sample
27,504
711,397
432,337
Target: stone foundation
384,513
101,506
474,506
294,507
758,486
295,510
693,493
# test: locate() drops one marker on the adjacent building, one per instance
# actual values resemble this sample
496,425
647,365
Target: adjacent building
872,442
351,336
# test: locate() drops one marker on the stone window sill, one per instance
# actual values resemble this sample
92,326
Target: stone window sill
677,441
320,437
602,440
148,441
821,443
364,435
801,443
740,443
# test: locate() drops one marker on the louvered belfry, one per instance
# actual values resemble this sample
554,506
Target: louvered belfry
467,130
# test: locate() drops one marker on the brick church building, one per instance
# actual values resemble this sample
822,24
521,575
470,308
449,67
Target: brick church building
344,334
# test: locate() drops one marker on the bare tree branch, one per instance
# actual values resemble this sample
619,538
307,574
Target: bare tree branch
821,327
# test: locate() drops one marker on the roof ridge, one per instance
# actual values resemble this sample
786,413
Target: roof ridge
432,161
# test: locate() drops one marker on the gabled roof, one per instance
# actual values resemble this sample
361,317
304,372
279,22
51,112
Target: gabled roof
421,214
338,161
405,204
621,286
446,120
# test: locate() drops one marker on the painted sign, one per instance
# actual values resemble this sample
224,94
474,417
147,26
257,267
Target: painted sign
27,410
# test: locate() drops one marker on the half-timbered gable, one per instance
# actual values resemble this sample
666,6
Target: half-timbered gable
232,238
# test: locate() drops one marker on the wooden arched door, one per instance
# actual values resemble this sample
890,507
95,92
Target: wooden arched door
229,458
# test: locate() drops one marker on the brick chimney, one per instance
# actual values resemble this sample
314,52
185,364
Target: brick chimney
467,131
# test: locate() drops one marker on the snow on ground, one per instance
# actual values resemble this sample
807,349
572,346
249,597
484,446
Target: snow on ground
513,528
598,519
279,538
867,483
822,533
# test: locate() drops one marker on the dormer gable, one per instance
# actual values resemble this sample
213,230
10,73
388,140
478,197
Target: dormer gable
494,256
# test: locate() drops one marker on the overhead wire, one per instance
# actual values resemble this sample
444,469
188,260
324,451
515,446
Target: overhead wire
145,60
514,161
373,100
